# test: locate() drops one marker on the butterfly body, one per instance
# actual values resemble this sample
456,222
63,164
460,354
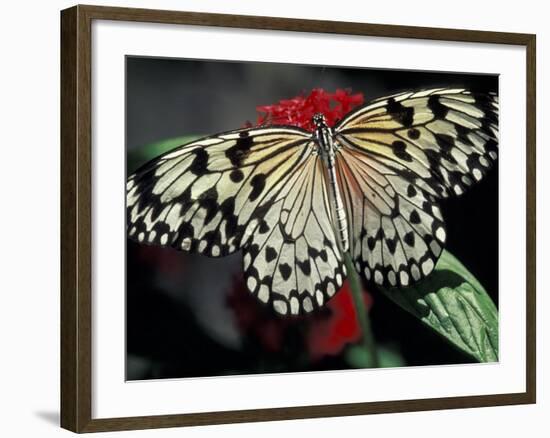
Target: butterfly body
294,201
323,135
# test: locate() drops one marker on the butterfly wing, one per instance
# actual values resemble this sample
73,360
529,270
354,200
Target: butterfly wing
395,227
244,190
397,156
296,264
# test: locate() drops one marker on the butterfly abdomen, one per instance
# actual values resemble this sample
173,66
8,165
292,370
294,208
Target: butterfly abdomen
326,145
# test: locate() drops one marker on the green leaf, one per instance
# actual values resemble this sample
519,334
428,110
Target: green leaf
453,303
142,154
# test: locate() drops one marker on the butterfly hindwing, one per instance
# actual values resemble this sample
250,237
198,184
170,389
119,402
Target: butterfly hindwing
396,229
296,264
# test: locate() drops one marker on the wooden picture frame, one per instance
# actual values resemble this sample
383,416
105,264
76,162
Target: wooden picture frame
76,218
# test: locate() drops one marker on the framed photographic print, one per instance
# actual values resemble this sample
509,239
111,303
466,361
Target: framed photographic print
341,225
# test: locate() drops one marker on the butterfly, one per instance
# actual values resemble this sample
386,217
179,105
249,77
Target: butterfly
295,201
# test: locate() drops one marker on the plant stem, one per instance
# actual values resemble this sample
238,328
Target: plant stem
361,312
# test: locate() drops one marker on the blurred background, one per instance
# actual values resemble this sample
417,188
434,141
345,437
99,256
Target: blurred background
189,315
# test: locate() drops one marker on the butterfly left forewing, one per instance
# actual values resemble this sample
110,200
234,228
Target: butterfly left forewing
202,197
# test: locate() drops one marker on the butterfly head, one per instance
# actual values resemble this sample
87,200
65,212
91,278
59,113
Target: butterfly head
323,136
319,120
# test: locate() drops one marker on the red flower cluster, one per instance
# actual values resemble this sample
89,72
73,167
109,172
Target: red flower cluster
299,110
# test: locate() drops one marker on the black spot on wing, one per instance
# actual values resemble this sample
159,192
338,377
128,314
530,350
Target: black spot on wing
258,185
399,149
413,134
312,252
270,254
371,241
240,150
414,217
445,142
236,175
437,108
391,244
231,226
305,266
411,191
261,211
263,227
401,114
408,175
227,207
409,238
253,250
285,270
200,162
209,201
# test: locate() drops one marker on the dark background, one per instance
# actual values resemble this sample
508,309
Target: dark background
183,311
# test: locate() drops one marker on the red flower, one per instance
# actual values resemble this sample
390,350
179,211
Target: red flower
299,110
329,335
